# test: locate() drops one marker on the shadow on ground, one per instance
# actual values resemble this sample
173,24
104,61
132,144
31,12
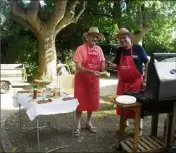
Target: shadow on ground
60,133
105,140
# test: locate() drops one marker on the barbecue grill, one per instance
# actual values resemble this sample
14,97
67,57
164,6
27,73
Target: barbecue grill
159,95
160,92
161,82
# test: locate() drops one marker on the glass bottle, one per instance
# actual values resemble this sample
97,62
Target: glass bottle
56,92
35,91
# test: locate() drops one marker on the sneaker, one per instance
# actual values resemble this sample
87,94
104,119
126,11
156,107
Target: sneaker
130,122
141,132
130,131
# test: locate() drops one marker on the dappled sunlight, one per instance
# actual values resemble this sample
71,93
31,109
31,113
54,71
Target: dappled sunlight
26,142
103,101
108,82
108,87
106,106
106,91
7,102
6,113
104,113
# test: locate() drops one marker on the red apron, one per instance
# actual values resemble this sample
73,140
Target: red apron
87,89
130,79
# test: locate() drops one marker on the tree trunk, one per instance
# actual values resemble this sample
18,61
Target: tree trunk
63,14
47,54
137,38
117,14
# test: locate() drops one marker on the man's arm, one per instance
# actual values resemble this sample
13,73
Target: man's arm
145,71
113,65
102,59
145,60
116,60
103,66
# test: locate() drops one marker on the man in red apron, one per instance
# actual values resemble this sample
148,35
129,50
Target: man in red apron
89,60
129,64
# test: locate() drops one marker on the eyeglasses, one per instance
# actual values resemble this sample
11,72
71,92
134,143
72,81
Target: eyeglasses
94,36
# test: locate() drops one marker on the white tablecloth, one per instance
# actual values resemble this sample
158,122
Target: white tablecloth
33,109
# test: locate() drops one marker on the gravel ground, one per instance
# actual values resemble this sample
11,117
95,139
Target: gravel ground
60,134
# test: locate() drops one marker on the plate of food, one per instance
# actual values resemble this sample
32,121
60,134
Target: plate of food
49,100
126,99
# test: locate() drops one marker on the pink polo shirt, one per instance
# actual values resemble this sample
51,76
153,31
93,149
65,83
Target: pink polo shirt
80,55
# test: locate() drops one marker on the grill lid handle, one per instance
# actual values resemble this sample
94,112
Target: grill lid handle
155,55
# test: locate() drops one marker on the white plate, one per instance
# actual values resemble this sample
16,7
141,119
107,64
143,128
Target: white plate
126,99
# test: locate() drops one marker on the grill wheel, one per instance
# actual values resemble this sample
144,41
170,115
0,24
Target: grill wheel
5,87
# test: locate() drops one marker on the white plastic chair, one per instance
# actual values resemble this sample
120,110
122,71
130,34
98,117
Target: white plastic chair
63,69
66,83
65,78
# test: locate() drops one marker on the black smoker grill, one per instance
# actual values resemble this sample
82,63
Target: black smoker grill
161,82
160,92
159,95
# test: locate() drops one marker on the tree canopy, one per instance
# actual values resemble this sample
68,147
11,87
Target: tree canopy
150,22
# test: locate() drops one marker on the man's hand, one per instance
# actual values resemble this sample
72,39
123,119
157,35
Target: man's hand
96,73
101,74
107,64
111,65
84,70
80,68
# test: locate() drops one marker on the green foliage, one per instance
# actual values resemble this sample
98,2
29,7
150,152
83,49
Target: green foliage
98,14
21,44
23,50
66,56
160,15
159,38
46,11
107,26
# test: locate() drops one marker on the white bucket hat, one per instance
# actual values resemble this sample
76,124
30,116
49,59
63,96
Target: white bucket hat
94,30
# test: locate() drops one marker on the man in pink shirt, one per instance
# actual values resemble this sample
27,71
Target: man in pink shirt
90,64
